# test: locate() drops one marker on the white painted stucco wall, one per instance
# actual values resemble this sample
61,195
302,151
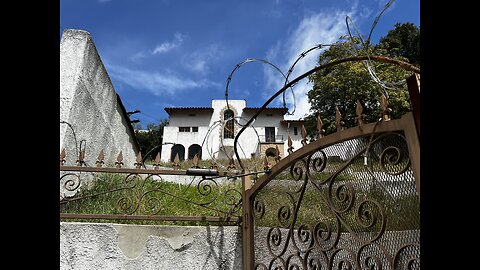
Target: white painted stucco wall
88,102
120,246
211,144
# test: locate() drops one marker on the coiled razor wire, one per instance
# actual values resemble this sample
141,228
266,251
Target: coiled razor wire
384,85
289,72
249,60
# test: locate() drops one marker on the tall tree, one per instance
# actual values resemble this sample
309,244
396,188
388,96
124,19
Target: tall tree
403,41
342,85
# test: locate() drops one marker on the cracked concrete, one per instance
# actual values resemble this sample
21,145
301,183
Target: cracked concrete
120,246
132,238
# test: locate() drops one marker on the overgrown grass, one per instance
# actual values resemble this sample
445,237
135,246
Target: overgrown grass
224,199
370,206
119,194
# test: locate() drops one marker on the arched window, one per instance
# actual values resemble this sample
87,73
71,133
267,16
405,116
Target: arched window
177,148
271,152
194,149
229,124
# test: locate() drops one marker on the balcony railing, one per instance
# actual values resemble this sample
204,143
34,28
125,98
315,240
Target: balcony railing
271,139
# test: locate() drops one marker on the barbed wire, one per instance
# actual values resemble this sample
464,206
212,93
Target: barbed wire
249,60
290,70
384,85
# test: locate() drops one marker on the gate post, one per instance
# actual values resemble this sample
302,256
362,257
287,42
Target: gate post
413,143
413,85
247,225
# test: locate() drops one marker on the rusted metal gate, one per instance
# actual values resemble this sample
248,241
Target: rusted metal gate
144,194
349,200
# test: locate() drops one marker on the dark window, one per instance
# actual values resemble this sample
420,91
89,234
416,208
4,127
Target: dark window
228,130
194,149
295,131
184,129
269,114
194,129
177,149
271,152
269,134
191,114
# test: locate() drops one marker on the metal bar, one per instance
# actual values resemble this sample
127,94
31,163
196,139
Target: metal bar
142,171
202,172
146,217
247,226
413,143
121,170
413,83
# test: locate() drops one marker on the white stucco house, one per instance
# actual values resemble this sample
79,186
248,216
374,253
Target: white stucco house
210,131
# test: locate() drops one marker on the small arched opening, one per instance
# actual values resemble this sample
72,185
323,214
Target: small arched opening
194,149
271,152
177,149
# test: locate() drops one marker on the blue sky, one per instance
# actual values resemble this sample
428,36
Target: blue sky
179,53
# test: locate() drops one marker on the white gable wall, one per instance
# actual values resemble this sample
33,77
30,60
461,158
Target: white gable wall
89,104
209,124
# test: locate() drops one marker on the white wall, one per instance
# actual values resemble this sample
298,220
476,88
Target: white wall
119,246
206,121
88,102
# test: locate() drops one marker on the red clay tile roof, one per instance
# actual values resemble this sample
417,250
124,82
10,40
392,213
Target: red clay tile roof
282,110
169,110
292,121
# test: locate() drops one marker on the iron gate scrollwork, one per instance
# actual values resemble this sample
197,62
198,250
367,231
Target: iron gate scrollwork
349,200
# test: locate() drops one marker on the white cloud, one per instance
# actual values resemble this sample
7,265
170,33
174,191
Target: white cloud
322,28
154,82
169,45
137,56
200,61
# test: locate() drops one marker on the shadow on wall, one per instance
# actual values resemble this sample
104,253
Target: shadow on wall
217,252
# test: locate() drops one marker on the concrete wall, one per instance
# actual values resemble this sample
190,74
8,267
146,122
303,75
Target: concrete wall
89,103
118,246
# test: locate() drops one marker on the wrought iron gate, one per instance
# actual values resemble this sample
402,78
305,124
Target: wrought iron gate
349,200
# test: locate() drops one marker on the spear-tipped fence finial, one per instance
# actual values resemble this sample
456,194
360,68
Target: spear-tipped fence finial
138,163
195,161
304,136
320,129
359,112
176,162
384,108
119,161
100,159
290,147
81,158
157,161
338,119
278,157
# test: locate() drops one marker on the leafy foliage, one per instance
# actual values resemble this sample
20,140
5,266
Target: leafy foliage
150,141
342,85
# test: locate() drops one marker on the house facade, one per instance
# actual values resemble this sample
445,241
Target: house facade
209,132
